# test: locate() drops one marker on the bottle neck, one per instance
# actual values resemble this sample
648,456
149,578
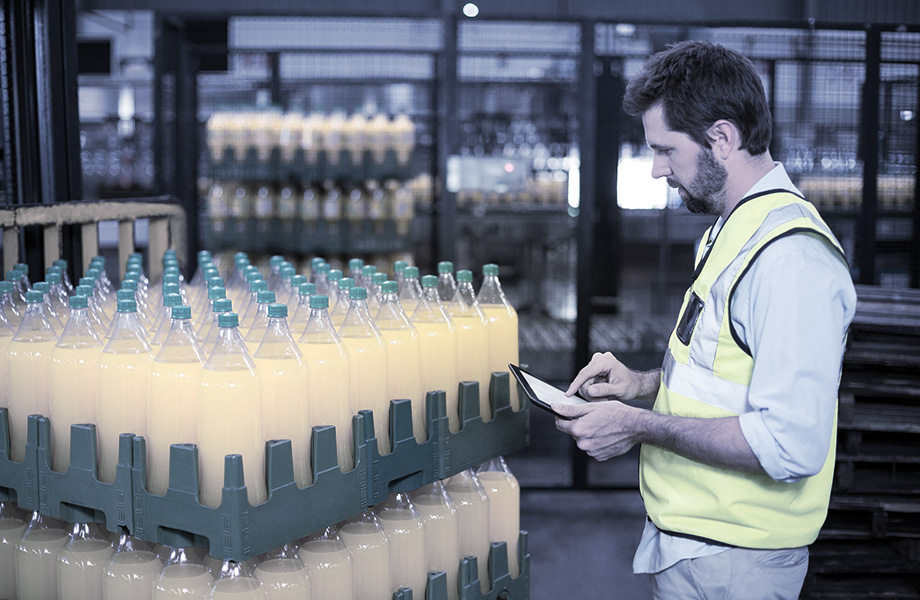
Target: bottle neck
35,326
79,331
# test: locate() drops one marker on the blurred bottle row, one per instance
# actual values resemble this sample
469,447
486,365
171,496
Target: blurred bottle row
369,556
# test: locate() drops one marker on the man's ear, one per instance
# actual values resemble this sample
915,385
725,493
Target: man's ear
725,138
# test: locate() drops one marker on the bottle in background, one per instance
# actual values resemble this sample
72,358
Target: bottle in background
404,376
504,507
28,364
442,531
503,325
447,285
374,292
164,312
37,555
321,279
221,305
370,548
286,412
170,301
131,571
331,566
473,344
101,320
250,304
236,582
121,397
300,314
73,374
367,275
342,302
368,354
293,297
183,576
438,343
410,291
283,575
274,274
65,278
399,273
472,504
286,285
406,532
6,335
329,376
8,306
12,524
57,295
356,269
207,311
82,561
53,317
259,326
230,416
172,417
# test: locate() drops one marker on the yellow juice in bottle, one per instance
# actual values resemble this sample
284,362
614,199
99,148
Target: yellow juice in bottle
472,504
130,575
441,533
503,326
474,361
438,365
331,566
80,569
28,388
36,563
192,581
365,539
504,508
406,533
283,575
11,528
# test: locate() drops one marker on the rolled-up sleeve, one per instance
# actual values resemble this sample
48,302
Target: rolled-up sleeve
792,309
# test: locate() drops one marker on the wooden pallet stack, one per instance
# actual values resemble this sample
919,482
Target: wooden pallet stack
870,544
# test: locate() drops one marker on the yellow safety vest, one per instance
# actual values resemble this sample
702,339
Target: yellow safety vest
706,373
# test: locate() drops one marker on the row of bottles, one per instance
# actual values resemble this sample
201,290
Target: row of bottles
194,371
369,556
312,133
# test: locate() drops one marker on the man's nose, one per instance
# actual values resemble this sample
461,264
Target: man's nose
660,167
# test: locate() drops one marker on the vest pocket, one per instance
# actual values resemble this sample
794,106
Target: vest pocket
688,320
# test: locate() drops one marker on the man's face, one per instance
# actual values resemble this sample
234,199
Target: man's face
688,167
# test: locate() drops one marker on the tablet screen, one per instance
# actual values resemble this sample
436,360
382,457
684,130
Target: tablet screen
542,393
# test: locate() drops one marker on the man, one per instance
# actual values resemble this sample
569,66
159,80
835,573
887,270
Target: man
737,452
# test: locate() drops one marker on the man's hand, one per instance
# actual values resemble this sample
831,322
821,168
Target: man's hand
605,377
602,429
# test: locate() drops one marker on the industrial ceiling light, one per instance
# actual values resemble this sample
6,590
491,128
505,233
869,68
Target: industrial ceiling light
470,10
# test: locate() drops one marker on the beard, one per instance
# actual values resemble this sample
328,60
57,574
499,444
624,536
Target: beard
705,194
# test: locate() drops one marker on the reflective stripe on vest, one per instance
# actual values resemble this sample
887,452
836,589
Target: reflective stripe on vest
708,376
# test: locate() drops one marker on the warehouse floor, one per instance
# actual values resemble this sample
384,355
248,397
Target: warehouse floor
582,543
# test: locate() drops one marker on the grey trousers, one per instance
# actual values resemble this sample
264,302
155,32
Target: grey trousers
736,574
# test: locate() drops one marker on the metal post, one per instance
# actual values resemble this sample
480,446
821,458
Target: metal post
446,206
866,228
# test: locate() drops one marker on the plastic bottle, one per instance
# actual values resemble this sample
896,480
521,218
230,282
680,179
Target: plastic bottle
23,269
14,276
82,561
164,312
332,568
207,312
285,286
57,295
367,274
236,582
442,533
259,325
53,317
355,269
321,279
65,278
296,282
7,305
236,282
6,335
251,303
409,290
503,325
368,353
73,373
121,400
28,364
36,557
301,313
404,376
283,575
374,294
101,321
399,273
230,416
221,305
370,548
447,285
170,301
12,524
473,344
142,311
329,376
183,576
504,507
274,274
172,417
408,549
284,390
131,571
338,312
472,504
438,342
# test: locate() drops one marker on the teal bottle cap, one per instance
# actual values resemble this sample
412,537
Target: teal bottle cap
288,272
127,306
129,284
216,292
42,286
171,279
171,300
277,311
490,269
94,272
464,276
253,276
298,280
323,268
319,301
335,275
399,265
170,288
240,255
171,270
357,293
379,278
222,305
355,264
34,297
276,260
22,267
368,270
265,297
137,255
228,319
86,281
61,262
430,281
134,276
13,275
78,302
54,269
389,287
216,281
258,285
6,287
98,258
285,263
306,289
181,311
445,266
250,269
83,290
410,272
346,283
53,278
125,295
316,261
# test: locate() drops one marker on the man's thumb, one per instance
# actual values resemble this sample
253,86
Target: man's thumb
565,409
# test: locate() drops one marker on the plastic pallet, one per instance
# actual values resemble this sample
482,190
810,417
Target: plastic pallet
236,530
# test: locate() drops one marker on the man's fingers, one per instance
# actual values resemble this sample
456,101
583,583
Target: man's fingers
568,410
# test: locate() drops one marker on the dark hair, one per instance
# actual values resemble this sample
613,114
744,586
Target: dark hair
699,83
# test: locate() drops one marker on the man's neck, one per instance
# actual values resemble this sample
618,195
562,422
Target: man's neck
748,172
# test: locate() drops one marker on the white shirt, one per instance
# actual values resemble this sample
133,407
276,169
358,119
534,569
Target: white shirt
805,294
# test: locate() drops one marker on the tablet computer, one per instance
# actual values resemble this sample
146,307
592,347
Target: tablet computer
542,393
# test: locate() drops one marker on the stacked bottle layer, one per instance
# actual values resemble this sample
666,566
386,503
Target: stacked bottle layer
230,362
371,556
